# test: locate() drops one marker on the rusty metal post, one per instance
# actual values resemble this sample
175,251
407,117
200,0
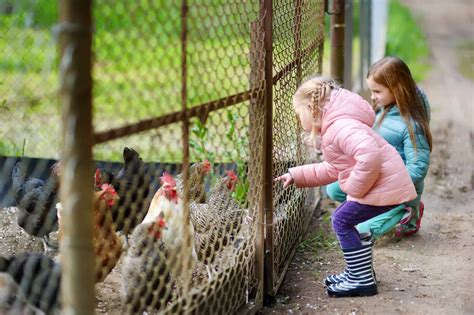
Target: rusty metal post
337,40
77,254
348,37
186,261
256,112
267,201
365,37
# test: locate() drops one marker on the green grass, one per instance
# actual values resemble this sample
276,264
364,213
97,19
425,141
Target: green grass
9,146
406,40
320,240
137,71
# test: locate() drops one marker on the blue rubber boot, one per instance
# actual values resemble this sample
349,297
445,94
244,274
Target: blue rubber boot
359,278
333,279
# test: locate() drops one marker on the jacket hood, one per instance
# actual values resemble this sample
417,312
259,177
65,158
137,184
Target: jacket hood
345,104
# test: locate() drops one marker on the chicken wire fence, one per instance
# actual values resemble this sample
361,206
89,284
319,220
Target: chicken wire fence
191,120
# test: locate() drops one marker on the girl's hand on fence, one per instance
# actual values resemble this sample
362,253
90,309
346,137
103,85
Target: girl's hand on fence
286,179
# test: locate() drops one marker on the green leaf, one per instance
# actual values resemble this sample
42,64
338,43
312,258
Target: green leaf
193,143
195,131
200,149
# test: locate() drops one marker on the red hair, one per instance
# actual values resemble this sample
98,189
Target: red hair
395,75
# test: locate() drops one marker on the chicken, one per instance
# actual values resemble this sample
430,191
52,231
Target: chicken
222,202
166,201
37,278
197,173
204,215
146,277
101,177
209,243
35,200
132,184
216,223
168,205
107,244
201,215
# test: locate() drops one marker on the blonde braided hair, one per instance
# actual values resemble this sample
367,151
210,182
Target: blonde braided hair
314,92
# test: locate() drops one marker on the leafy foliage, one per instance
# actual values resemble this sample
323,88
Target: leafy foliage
236,153
200,131
240,149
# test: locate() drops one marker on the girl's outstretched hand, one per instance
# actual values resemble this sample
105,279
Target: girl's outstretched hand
285,178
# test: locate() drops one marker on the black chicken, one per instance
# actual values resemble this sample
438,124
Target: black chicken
38,279
132,184
36,201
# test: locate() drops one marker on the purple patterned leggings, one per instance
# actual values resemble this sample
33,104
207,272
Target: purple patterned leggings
347,216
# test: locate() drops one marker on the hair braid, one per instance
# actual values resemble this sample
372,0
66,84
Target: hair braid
314,93
315,101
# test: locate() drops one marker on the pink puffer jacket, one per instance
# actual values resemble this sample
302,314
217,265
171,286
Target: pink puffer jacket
369,170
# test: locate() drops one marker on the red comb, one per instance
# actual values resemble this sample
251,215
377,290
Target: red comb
166,178
206,165
108,194
108,188
231,175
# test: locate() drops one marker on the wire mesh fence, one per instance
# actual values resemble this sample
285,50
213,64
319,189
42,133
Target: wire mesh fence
298,30
191,120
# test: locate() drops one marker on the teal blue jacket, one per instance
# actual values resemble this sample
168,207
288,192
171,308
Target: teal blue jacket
395,131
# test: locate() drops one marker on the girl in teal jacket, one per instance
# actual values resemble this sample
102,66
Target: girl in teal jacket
403,120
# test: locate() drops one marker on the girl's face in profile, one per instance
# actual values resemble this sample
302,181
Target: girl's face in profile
380,94
304,114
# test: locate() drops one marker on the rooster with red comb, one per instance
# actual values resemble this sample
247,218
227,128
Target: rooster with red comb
167,204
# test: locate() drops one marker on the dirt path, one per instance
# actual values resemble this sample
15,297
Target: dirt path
429,273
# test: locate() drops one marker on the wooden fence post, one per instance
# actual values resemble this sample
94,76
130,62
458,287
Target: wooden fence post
77,255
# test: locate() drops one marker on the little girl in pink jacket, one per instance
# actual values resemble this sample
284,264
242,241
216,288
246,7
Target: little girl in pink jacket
369,170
